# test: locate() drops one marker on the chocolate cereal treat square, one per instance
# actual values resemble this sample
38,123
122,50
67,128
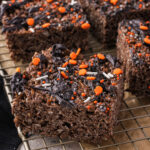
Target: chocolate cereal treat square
134,51
67,96
36,25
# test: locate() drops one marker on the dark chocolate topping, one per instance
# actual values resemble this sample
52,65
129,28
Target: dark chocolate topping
74,82
18,82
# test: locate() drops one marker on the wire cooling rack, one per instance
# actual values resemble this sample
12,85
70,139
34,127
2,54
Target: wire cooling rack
132,132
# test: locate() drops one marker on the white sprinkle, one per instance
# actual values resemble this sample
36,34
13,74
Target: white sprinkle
19,93
92,73
17,79
48,17
88,99
46,84
43,77
73,2
60,68
111,75
4,2
32,30
107,76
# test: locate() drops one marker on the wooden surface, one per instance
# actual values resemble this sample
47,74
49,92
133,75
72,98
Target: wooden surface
132,133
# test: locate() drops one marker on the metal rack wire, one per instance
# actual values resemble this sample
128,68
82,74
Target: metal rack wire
132,132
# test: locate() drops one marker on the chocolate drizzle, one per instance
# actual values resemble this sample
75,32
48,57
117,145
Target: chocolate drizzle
10,7
43,61
18,82
59,51
54,94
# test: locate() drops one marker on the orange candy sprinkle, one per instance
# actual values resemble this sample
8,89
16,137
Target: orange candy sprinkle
95,102
101,81
36,61
41,8
73,18
62,9
78,51
79,16
114,2
83,66
30,21
49,1
147,40
138,44
44,5
64,75
85,26
72,98
117,71
90,78
73,62
71,9
108,108
98,90
73,21
39,73
75,93
83,94
143,27
44,82
88,107
45,25
82,72
140,5
54,6
129,28
27,5
47,13
101,56
65,64
18,69
73,55
82,22
114,84
13,1
24,76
